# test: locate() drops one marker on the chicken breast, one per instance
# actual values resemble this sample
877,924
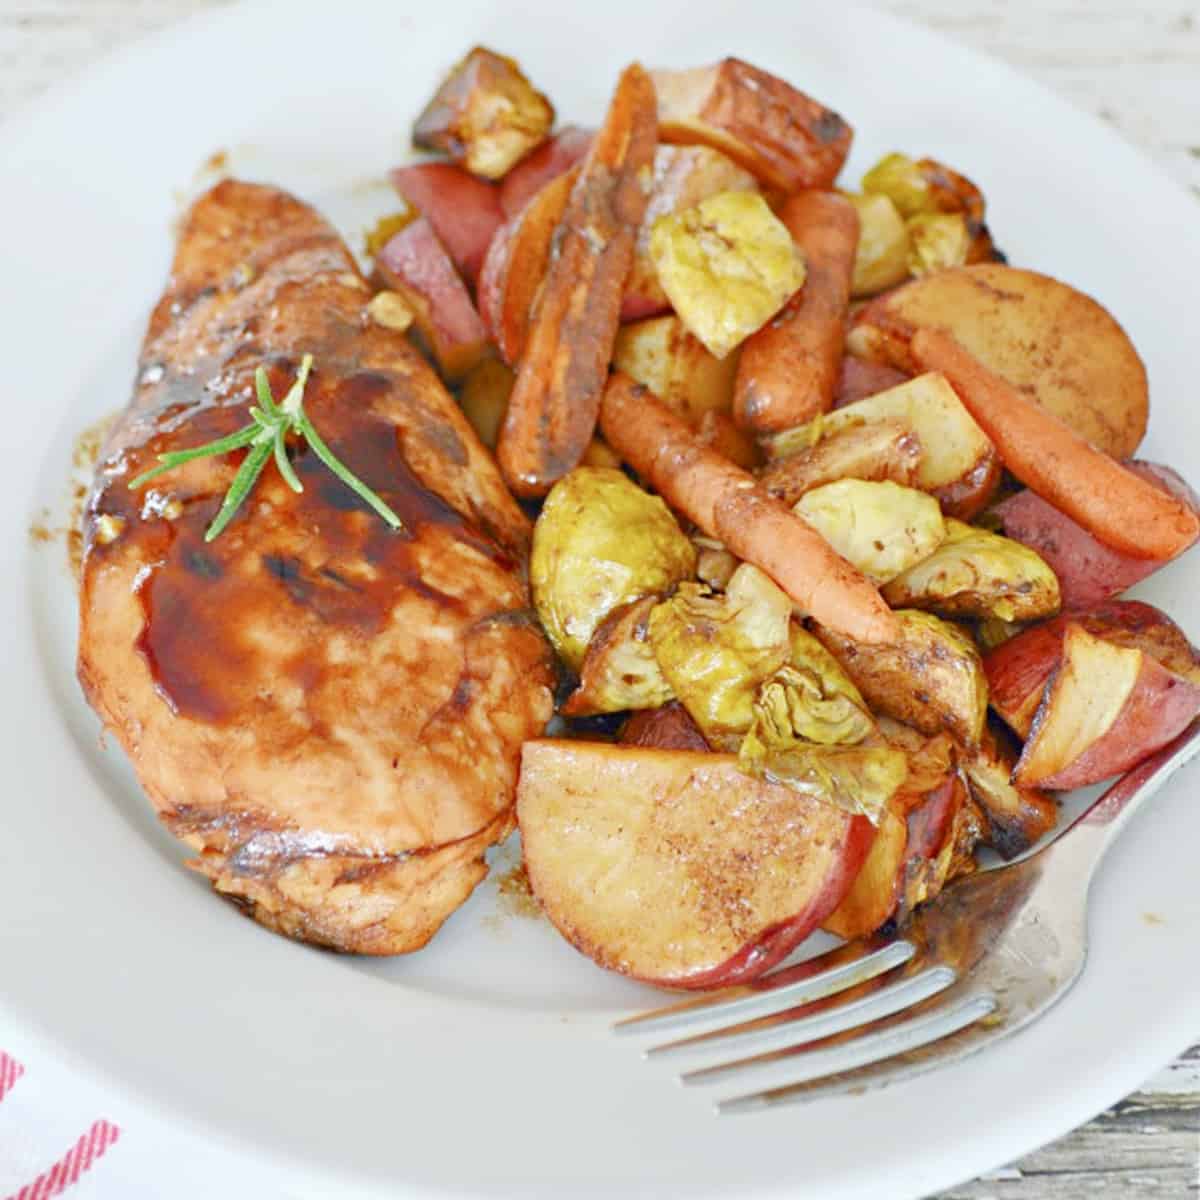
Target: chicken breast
329,712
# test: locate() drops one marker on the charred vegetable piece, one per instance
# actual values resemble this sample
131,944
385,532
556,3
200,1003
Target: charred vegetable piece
728,265
881,261
974,573
620,671
786,138
959,465
929,677
599,543
715,650
564,366
1017,816
485,114
882,528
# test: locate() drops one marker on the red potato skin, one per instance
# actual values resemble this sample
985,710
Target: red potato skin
1159,708
668,728
547,162
776,944
415,264
1089,572
464,210
858,379
789,370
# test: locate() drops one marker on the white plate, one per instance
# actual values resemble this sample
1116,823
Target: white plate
484,1065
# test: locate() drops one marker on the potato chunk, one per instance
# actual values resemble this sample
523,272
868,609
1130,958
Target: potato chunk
882,528
600,542
975,573
485,114
728,265
930,677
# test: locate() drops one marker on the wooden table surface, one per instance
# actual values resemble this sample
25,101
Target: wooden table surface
1136,65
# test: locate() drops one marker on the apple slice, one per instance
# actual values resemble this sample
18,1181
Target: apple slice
464,211
1042,336
875,892
674,867
1019,669
1106,708
1089,572
787,139
550,160
414,264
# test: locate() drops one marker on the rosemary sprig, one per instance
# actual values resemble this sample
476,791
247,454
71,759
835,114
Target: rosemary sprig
267,435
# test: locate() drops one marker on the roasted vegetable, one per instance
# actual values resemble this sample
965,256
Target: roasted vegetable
881,450
1048,340
937,241
550,160
485,114
875,892
784,137
600,542
1017,816
661,354
974,573
958,463
386,228
666,728
715,650
882,528
930,676
883,245
484,399
898,177
728,265
676,867
619,670
859,379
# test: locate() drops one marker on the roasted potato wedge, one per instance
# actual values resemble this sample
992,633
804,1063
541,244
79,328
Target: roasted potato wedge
666,728
599,543
485,114
484,399
881,450
1017,816
661,354
619,670
550,160
716,650
884,245
564,366
1042,336
882,528
1106,708
683,177
677,868
728,265
975,573
930,677
785,138
958,462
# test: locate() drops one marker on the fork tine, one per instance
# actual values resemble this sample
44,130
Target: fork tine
835,1014
790,987
937,1031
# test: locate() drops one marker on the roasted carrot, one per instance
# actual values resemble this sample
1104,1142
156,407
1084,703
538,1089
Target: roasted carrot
552,412
789,369
1110,502
727,503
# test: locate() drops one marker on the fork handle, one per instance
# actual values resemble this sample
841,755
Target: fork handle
1098,826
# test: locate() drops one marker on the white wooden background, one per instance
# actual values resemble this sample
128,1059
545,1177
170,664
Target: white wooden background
1135,64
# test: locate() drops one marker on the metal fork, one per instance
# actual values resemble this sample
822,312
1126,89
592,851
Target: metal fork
989,955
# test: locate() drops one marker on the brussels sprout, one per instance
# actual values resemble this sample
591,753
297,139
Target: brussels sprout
882,528
937,241
930,677
902,181
715,650
858,779
620,671
810,699
975,573
881,260
728,266
600,542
